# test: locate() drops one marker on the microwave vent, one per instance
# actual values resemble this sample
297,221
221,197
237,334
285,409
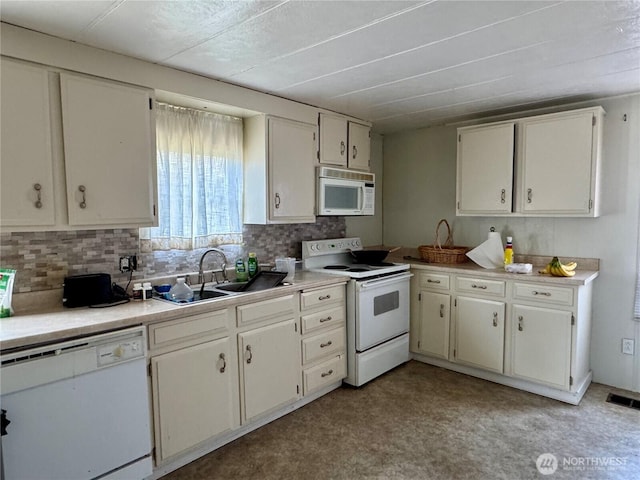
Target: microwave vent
328,172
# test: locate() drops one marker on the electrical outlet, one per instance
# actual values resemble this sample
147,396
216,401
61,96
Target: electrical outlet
628,346
128,263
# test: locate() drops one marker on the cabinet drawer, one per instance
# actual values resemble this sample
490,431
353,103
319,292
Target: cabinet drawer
543,293
267,309
326,318
321,345
326,373
193,327
480,286
434,280
322,296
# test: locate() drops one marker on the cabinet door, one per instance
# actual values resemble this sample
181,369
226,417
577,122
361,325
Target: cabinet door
542,345
480,333
557,158
26,170
434,324
270,358
485,170
333,140
291,171
195,395
359,146
109,146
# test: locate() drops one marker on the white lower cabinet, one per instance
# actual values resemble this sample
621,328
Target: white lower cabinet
526,334
194,390
541,340
480,333
270,368
194,381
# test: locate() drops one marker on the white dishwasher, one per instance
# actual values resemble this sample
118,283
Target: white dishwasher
78,409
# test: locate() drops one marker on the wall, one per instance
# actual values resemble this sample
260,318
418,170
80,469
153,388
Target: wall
369,229
43,259
419,172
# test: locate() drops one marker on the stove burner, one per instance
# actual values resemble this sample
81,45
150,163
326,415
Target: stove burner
358,270
336,267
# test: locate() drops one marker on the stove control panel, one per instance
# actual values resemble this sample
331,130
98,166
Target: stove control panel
316,248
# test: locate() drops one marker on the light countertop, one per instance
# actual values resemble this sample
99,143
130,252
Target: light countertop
53,322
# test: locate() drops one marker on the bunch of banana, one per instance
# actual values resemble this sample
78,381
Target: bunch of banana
557,269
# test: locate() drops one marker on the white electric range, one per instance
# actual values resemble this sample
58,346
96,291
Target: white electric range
377,306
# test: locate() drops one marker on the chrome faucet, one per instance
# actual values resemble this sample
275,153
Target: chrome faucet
224,265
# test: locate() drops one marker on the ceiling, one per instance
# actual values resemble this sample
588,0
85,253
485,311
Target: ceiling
399,64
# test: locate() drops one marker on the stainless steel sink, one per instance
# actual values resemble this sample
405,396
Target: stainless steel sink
230,287
210,292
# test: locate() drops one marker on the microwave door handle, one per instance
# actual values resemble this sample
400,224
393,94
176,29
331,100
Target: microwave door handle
362,195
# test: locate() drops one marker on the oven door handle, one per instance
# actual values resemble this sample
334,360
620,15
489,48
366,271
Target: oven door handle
380,282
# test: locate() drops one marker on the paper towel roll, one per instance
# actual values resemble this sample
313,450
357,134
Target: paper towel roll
497,235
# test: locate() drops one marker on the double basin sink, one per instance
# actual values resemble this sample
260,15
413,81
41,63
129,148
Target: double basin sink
209,292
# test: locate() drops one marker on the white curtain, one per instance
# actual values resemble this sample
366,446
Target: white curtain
199,179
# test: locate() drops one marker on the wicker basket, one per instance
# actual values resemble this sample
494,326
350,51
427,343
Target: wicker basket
443,253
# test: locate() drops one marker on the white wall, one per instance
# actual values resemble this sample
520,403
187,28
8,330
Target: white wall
369,229
419,189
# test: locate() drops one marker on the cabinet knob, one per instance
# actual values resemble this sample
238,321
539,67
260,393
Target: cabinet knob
495,319
250,354
224,363
37,187
520,319
83,190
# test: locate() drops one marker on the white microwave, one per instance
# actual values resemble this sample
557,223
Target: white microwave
345,192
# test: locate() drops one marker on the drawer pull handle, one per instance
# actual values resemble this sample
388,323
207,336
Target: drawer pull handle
433,281
326,319
495,319
546,294
520,327
224,363
326,374
529,195
37,187
343,148
250,354
277,200
322,345
503,195
442,310
324,297
481,287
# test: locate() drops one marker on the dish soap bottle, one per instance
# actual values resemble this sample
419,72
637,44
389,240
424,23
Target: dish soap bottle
181,292
241,271
508,251
252,265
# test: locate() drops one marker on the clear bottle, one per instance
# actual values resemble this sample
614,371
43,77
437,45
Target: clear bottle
508,251
137,292
252,265
181,292
241,271
147,291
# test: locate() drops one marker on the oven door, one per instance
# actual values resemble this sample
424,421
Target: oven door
382,310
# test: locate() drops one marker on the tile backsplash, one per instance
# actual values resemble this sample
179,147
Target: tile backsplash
43,259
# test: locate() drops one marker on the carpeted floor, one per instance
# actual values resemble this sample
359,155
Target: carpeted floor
424,422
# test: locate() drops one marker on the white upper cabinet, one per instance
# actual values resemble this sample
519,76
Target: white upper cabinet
558,156
279,171
485,169
344,143
333,140
109,152
26,170
359,146
546,165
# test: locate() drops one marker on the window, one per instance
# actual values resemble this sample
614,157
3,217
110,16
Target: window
199,180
